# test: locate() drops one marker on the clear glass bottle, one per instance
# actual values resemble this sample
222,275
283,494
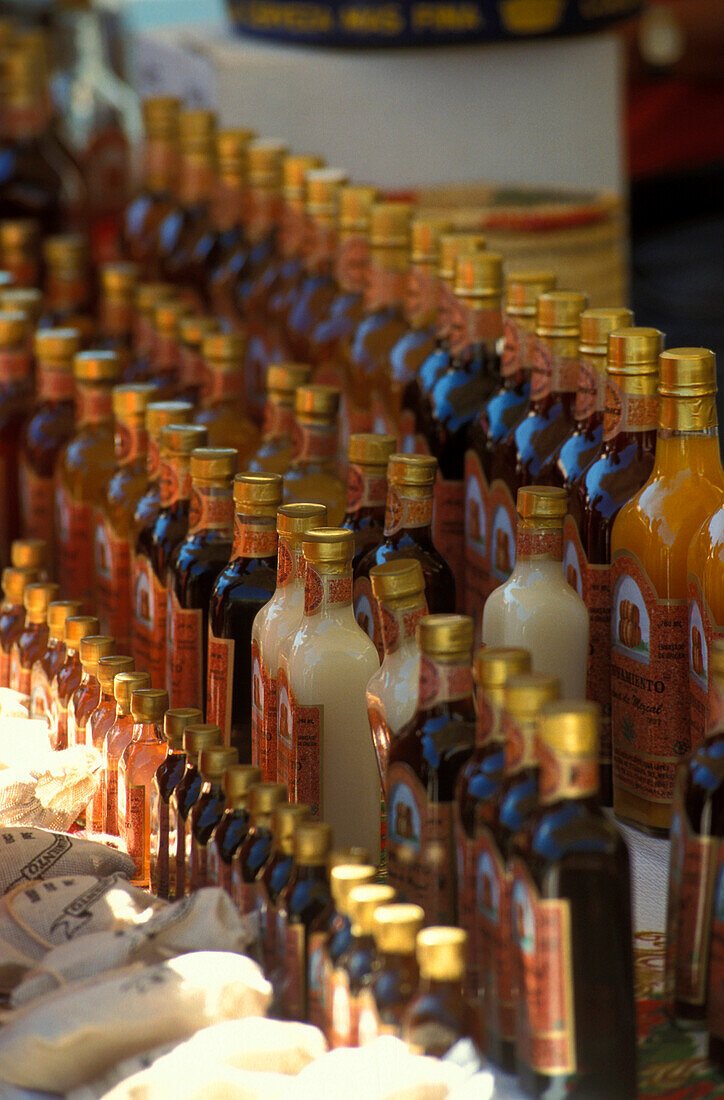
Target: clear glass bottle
354,967
12,614
16,393
251,857
116,320
168,776
117,740
241,590
33,641
46,668
99,725
230,833
20,251
312,474
274,454
395,976
148,297
223,405
69,674
274,876
186,792
208,809
438,1017
136,770
86,696
159,415
368,455
193,330
68,286
155,197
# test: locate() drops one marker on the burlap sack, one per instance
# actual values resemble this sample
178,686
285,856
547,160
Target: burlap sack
52,790
79,1032
27,855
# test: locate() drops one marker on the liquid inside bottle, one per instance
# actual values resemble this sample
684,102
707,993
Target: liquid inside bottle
117,739
69,675
274,454
168,776
100,724
312,475
437,1017
136,770
183,797
385,997
230,833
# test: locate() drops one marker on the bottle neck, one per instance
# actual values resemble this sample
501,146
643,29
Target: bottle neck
421,296
153,459
473,324
352,262
290,562
312,872
445,306
386,278
631,406
539,540
35,626
165,351
55,382
292,229
228,202
687,436
15,365
148,732
554,368
197,180
405,963
408,508
218,385
518,341
174,479
399,619
565,776
131,442
66,290
366,487
490,717
520,743
327,591
278,419
161,165
117,318
445,680
254,536
211,508
94,404
445,989
590,400
213,787
314,442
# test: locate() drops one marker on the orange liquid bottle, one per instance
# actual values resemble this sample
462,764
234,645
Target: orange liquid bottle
16,385
223,405
117,739
159,414
47,666
649,629
168,776
68,289
312,475
274,455
136,770
12,614
100,724
148,297
86,696
33,641
155,200
69,675
705,591
20,251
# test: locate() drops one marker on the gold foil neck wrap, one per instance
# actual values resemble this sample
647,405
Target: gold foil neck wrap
329,546
232,151
110,666
182,439
426,232
634,350
58,612
526,695
78,627
265,157
149,704
522,290
370,449
197,131
14,327
312,843
294,520
495,665
161,117
479,275
294,173
285,821
265,797
404,469
167,316
317,401
226,347
125,684
355,208
194,329
150,295
28,553
687,387
131,400
214,761
96,366
15,581
322,190
198,736
213,463
345,877
258,494
177,720
398,579
558,313
92,648
119,279
570,727
542,502
390,225
441,953
396,927
283,379
596,324
446,635
453,245
238,781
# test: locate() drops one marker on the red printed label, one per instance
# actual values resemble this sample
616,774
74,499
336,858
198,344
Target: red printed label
130,442
532,543
492,936
403,512
211,510
366,612
324,590
313,443
263,716
442,683
565,374
174,481
715,1006
289,564
510,359
448,528
74,530
93,405
476,515
365,490
136,825
149,620
254,538
220,684
541,379
590,391
628,412
185,655
113,583
14,365
383,288
55,385
299,745
37,496
701,632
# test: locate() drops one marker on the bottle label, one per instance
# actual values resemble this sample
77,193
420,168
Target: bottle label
220,684
715,1002
113,582
263,716
365,490
219,385
163,862
503,532
149,620
291,952
289,563
539,544
366,612
630,412
420,295
278,421
565,776
344,1012
448,527
130,442
93,405
511,357
174,482
300,731
649,683
469,326
493,942
211,511
37,504
185,656
420,853
590,391
702,631
325,590
477,561
401,625
254,538
74,532
404,512
442,683
318,979
136,823
55,385
14,365
519,745
314,442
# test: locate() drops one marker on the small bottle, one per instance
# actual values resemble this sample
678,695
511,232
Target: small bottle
330,935
195,738
114,517
423,765
69,674
164,366
159,415
229,207
706,615
12,614
136,770
223,406
230,833
324,751
437,1017
193,330
48,428
274,876
250,858
86,696
33,641
354,967
649,625
536,608
274,454
20,250
208,809
100,724
118,738
571,925
368,455
277,619
312,474
30,554
387,994
241,590
83,470
193,569
158,539
117,312
408,534
168,776
16,391
148,297
68,286
155,199
46,668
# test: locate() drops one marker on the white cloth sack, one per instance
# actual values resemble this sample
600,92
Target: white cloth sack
187,1080
52,789
27,855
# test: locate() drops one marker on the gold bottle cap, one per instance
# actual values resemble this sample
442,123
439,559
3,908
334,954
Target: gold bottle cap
445,635
558,313
109,667
28,553
297,519
284,378
441,953
231,149
354,856
37,598
285,819
78,627
196,328
58,612
19,233
15,581
403,469
167,316
65,251
238,781
425,239
570,727
525,695
634,350
124,685
161,115
214,761
197,130
96,366
149,295
14,327
294,172
224,350
92,648
687,372
479,275
355,208
159,414
542,502
176,720
716,657
362,903
345,877
183,439
596,325
265,797
494,665
398,579
198,736
131,400
265,163
254,490
213,463
390,225
149,704
523,288
370,449
395,928
322,188
119,279
28,300
312,842
453,245
329,546
317,401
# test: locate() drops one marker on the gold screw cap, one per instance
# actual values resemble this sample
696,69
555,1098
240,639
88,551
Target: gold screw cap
198,736
159,414
92,648
596,325
231,150
131,400
96,366
344,877
453,245
444,635
124,686
312,843
479,275
558,313
329,546
687,372
66,250
175,722
258,490
390,225
265,797
395,928
225,349
167,316
494,665
238,781
362,903
634,350
284,378
214,761
109,667
398,579
213,463
265,163
183,439
197,130
78,627
297,519
370,449
523,288
317,400
294,172
119,279
58,612
196,328
149,704
28,553
285,819
525,695
441,952
322,188
542,502
570,728
355,208
160,116
403,469
425,239
15,581
37,598
14,327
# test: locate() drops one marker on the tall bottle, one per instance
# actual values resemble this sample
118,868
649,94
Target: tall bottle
437,1017
168,776
368,456
649,625
536,608
256,849
84,467
274,454
69,675
117,740
136,770
423,765
571,922
68,286
704,563
231,832
622,467
99,726
157,541
20,251
86,696
116,323
408,534
46,667
312,474
33,641
385,997
155,199
159,415
16,387
324,751
279,618
223,406
241,590
183,797
208,809
330,934
12,614
114,518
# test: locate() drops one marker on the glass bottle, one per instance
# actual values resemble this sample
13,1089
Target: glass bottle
193,330
408,527
168,776
28,300
114,517
16,392
33,641
136,770
84,468
649,625
193,569
159,537
324,750
704,567
274,454
156,196
69,674
159,415
12,614
423,765
330,935
536,608
312,474
368,455
20,251
30,554
227,216
196,736
164,366
278,618
100,723
46,668
148,297
86,696
48,428
621,468
117,312
386,995
223,406
241,590
68,286
438,1016
571,924
274,876
117,740
251,857
230,833
208,809
354,967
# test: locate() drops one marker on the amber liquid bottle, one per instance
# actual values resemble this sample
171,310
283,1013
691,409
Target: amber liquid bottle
156,198
256,849
312,476
99,726
407,534
69,675
240,592
20,252
183,798
33,641
274,876
395,977
193,569
230,833
114,535
571,923
12,614
420,780
148,297
117,740
68,287
164,365
86,696
354,967
136,770
438,1016
16,388
622,467
159,415
208,809
84,468
226,233
117,313
47,666
368,456
168,776
274,454
193,330
223,405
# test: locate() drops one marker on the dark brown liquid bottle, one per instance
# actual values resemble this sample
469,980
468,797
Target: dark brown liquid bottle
148,297
159,415
156,198
16,391
230,833
395,977
438,1015
46,668
274,876
256,850
69,675
227,221
223,405
183,798
330,934
208,809
33,641
354,967
274,454
68,287
20,251
368,456
168,776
